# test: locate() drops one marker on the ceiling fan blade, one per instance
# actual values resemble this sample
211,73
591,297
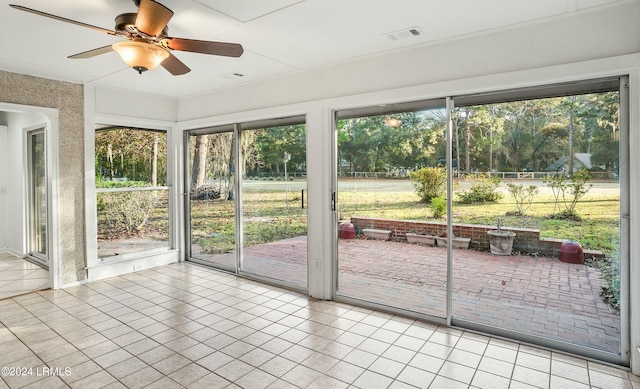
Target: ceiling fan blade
175,66
204,47
60,18
92,53
152,17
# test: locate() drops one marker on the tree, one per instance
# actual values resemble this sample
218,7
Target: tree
483,130
269,146
132,154
540,113
604,142
551,143
516,140
368,144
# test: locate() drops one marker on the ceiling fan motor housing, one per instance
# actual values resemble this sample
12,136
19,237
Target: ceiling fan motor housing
126,22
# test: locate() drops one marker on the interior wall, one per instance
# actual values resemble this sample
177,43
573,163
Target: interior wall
68,99
4,175
15,191
112,102
610,32
16,200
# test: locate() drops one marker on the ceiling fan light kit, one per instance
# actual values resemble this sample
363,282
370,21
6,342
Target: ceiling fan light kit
140,55
147,44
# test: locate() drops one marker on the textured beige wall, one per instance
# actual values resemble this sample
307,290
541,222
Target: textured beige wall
68,99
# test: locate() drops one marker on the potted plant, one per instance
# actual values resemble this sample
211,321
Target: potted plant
501,241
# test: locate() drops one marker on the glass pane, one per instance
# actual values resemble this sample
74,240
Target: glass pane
212,205
38,189
128,157
274,204
384,198
132,221
538,194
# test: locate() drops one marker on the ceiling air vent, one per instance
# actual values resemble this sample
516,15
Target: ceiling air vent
233,76
411,32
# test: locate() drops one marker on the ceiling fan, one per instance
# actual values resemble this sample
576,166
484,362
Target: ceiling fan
148,43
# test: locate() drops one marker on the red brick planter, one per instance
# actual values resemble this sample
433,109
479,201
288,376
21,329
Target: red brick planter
526,240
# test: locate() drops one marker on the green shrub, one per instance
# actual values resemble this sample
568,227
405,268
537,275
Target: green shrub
438,206
430,182
483,191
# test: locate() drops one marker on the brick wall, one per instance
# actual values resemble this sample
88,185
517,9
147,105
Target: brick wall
526,240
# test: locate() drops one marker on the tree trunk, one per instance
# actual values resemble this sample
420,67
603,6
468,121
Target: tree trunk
467,142
154,160
199,170
457,140
493,119
110,159
571,114
233,169
467,148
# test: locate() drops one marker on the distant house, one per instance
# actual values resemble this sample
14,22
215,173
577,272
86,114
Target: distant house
557,166
580,161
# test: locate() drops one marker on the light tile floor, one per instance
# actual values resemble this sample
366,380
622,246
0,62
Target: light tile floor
18,276
183,325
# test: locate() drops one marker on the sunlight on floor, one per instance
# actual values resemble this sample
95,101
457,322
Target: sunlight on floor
18,276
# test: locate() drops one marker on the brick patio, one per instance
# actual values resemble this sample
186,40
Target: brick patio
533,295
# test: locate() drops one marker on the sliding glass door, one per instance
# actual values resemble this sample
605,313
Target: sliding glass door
247,208
538,183
274,214
504,212
380,156
212,214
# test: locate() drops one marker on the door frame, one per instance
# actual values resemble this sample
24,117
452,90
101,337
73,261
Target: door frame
47,118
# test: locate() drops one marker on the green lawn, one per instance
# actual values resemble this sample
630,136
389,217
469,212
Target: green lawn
268,216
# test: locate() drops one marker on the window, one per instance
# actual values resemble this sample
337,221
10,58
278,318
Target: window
132,192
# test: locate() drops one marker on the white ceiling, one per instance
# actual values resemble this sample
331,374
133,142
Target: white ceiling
279,36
